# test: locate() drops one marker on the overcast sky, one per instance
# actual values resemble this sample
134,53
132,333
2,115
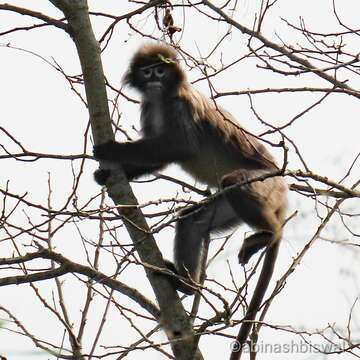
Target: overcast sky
39,108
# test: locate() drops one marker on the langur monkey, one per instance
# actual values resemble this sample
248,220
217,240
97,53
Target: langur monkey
181,126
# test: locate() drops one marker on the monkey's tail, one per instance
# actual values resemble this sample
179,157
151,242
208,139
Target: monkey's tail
257,298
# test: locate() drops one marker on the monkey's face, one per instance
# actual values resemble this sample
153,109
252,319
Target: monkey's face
157,78
154,71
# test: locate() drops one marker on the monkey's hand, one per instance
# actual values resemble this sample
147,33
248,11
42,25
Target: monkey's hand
106,151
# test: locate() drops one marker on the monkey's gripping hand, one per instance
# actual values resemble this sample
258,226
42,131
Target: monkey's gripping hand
101,176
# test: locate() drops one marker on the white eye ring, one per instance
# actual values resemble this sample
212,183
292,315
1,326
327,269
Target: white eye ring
159,72
147,73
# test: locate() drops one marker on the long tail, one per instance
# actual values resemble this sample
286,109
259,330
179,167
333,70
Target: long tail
261,287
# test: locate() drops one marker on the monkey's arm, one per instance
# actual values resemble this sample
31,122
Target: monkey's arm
140,157
147,152
132,171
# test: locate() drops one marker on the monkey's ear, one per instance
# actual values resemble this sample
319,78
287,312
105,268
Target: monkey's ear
101,176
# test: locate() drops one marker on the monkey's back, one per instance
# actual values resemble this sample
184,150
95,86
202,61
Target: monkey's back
223,146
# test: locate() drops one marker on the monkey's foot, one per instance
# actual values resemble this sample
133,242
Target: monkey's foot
253,244
178,284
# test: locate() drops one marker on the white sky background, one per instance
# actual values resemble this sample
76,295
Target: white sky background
39,109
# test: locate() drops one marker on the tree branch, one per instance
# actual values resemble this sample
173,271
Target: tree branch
283,50
174,318
35,14
68,266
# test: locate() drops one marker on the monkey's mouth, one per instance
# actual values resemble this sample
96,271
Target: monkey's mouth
154,85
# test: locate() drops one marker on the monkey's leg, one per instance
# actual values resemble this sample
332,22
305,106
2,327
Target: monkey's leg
192,229
259,204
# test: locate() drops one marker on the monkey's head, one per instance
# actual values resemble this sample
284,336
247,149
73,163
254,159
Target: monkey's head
154,69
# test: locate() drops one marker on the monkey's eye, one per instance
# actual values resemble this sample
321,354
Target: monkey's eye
159,71
147,73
